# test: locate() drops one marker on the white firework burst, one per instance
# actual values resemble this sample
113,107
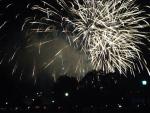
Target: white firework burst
107,31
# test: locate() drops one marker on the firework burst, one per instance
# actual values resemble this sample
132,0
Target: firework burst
107,31
102,35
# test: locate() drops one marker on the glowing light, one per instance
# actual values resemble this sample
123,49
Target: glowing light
144,82
28,107
6,103
16,108
120,106
66,94
53,101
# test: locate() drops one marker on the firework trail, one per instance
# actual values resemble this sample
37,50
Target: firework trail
79,36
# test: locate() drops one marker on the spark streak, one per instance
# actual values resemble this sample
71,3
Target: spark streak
3,25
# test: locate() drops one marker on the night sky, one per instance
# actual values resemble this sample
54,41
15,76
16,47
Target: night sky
94,90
